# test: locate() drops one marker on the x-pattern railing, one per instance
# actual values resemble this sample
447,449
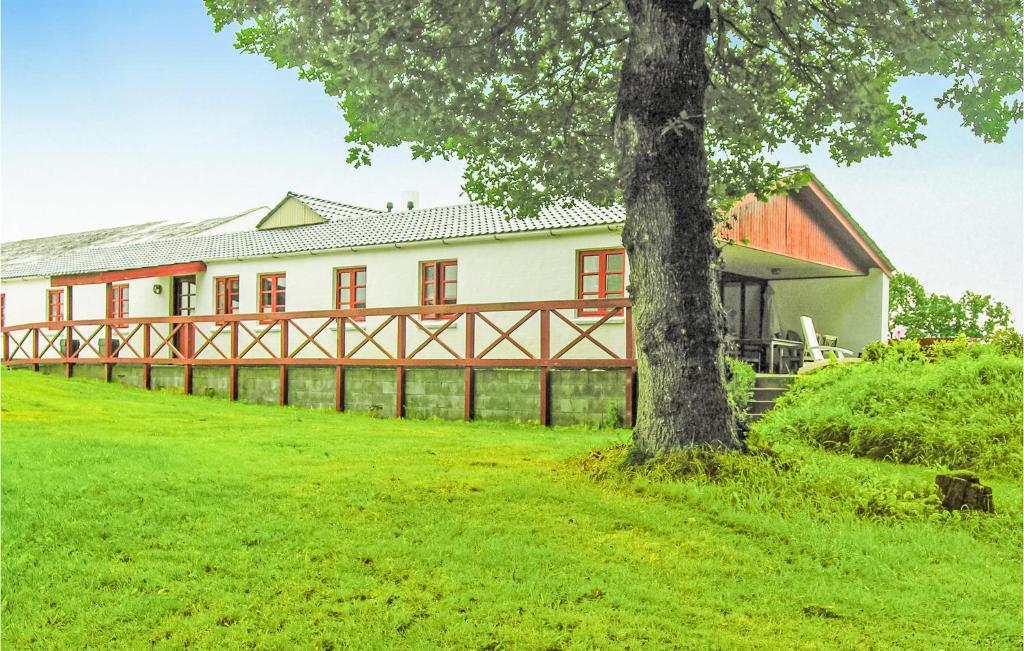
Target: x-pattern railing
516,334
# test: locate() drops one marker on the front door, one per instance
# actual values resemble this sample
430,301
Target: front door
184,304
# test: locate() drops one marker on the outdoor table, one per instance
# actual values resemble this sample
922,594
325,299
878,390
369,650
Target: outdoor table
771,346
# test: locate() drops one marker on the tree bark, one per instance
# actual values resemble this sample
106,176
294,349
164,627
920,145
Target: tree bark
669,232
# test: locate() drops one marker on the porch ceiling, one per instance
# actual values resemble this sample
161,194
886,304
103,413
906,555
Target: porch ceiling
747,261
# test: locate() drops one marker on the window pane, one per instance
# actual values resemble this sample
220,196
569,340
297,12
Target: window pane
360,294
428,272
731,303
280,282
589,283
614,262
343,296
449,290
752,311
360,277
613,283
451,272
590,264
266,284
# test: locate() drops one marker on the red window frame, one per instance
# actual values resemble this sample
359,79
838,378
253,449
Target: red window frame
347,279
433,289
273,299
55,306
117,301
601,273
3,309
225,295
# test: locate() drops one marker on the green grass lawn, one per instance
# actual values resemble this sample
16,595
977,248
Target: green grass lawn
134,519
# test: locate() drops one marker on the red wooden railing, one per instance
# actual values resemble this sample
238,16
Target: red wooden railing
542,335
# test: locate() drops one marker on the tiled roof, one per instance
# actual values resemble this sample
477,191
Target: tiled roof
23,253
332,209
374,228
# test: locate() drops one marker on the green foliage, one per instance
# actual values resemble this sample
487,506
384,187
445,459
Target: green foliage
962,410
525,93
612,419
936,315
895,350
740,386
1008,342
794,477
148,519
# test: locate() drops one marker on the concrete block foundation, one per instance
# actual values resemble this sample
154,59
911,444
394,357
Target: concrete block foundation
576,396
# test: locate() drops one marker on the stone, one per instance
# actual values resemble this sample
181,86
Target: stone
964,490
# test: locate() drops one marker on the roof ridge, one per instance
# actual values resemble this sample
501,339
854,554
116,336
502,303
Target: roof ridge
301,195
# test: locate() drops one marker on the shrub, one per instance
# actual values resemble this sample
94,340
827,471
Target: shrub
1008,342
894,351
740,387
962,410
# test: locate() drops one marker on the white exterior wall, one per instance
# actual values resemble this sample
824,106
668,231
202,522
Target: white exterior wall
489,271
538,267
532,268
856,309
25,300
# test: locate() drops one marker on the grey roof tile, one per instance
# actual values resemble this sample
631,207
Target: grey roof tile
353,230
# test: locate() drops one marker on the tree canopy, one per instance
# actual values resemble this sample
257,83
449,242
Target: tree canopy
925,314
525,91
675,108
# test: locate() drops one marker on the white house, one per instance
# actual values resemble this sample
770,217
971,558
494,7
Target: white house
795,255
313,254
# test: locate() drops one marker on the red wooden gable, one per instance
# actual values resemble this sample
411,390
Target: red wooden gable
805,225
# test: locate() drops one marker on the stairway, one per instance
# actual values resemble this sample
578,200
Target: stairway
767,389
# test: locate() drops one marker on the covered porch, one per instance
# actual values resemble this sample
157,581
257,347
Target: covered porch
765,294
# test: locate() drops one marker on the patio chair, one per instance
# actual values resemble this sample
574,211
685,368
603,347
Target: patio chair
815,352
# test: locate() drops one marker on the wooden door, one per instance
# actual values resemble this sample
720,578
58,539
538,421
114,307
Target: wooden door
184,304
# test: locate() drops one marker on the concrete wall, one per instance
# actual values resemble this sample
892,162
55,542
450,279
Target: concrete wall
856,309
576,396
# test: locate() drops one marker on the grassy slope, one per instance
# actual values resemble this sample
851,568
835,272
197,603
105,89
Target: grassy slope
133,517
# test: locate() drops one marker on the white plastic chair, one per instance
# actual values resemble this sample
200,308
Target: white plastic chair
815,352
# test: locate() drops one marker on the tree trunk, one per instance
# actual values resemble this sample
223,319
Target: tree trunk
669,232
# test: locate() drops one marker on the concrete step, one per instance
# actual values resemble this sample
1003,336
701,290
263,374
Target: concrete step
767,389
768,393
760,406
765,380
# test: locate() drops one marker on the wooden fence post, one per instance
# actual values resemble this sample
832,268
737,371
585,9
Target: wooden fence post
400,370
146,354
233,368
470,355
545,355
339,370
282,382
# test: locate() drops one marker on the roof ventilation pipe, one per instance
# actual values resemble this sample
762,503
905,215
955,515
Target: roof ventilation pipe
411,199
391,206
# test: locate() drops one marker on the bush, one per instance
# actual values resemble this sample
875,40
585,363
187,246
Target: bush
1008,342
894,351
962,410
740,387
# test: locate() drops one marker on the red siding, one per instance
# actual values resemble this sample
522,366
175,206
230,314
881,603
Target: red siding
793,226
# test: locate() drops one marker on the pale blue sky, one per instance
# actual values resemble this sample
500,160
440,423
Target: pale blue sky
117,111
